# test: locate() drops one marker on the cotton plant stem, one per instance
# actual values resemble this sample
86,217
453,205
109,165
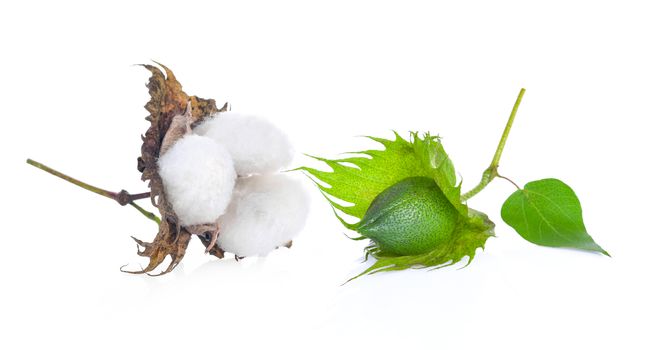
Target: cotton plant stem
81,184
122,197
147,214
492,171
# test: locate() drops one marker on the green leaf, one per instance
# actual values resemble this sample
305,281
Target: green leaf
358,180
547,212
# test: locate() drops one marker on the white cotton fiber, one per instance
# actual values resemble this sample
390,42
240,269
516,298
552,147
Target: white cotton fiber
199,178
266,212
256,145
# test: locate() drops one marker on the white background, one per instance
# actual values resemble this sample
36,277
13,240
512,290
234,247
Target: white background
324,72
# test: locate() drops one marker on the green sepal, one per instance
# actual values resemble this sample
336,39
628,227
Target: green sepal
439,167
358,180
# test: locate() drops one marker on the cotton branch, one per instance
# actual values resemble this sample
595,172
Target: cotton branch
122,197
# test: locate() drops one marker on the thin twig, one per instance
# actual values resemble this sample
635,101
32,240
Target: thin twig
122,197
508,179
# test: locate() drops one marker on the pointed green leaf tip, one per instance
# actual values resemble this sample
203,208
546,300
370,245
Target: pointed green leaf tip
547,212
360,179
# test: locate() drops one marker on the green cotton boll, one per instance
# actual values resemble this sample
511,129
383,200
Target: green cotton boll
406,198
410,217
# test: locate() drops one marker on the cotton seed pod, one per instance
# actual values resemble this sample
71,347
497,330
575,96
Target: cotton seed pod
266,212
255,144
199,178
410,217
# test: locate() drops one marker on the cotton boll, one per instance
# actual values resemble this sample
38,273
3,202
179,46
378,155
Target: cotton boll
266,212
199,178
256,145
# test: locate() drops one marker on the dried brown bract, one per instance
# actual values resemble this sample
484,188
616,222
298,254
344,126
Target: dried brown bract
172,114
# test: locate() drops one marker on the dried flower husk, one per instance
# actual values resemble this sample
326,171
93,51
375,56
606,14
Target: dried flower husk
172,114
